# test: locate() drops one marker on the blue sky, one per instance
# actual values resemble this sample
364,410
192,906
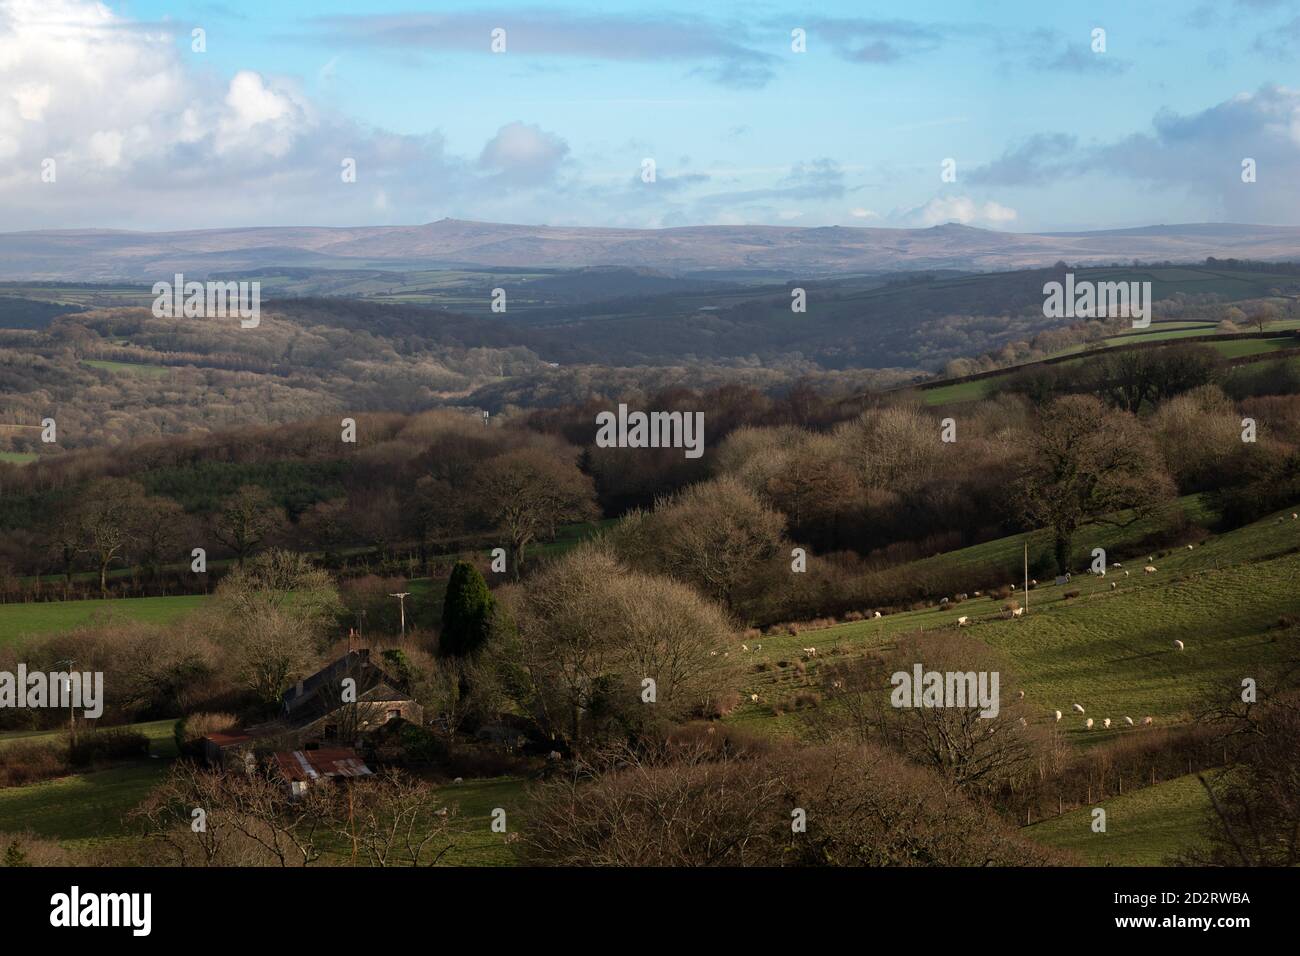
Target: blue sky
1046,133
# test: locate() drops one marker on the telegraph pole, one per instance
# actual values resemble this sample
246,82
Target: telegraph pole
401,597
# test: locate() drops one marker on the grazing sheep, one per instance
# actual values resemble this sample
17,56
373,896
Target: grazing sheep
1088,723
758,647
713,653
1114,585
754,698
1020,695
1106,723
1190,546
1147,721
942,601
744,647
1033,582
976,593
1116,564
810,651
1078,709
1150,558
1058,714
1013,587
459,780
961,621
1294,516
1018,612
1125,574
1178,644
1150,569
1129,721
877,614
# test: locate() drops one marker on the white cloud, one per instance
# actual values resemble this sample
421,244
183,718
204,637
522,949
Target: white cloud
961,209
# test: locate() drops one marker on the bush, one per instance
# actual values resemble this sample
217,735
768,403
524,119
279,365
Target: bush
102,745
24,762
191,730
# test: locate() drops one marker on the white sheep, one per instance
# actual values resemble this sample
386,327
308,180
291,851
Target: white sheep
754,698
877,614
1129,721
1294,516
1125,574
961,621
1116,564
459,780
1020,695
1078,709
1018,612
1058,715
1150,569
1106,723
1114,585
1147,721
810,651
1178,644
744,647
1088,723
1190,547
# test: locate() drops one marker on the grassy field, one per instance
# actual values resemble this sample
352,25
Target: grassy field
132,368
1143,828
18,457
1110,650
162,742
47,617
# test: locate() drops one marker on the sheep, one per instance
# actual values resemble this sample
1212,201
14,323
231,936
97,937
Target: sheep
1013,587
1106,723
1116,564
877,615
1190,547
1294,516
1033,582
744,647
1178,644
753,698
1088,723
1125,574
810,651
942,601
976,593
459,780
961,621
1020,695
1114,585
1129,721
1078,709
758,647
1150,558
1018,612
1150,569
1058,715
1147,721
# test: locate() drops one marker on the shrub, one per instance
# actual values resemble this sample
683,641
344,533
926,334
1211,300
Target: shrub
24,762
100,745
191,730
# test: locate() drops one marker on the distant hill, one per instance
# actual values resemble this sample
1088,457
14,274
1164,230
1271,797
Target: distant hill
96,254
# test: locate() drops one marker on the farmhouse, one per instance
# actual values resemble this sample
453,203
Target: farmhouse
339,704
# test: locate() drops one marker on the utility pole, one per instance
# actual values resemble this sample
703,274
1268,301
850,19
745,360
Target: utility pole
401,598
72,714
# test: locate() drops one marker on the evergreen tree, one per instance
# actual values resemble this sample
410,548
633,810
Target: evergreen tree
466,612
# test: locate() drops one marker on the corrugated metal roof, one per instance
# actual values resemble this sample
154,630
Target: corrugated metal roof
307,765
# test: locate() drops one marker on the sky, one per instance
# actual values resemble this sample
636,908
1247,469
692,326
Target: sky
1000,114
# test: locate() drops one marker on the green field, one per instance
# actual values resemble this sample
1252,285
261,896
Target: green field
1143,828
1110,650
18,457
133,368
47,617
